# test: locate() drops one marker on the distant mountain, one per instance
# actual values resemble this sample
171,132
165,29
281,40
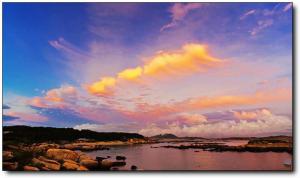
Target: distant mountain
164,136
27,134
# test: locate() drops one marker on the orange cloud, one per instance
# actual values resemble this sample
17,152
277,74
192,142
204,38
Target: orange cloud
54,97
103,86
58,94
251,114
131,74
191,58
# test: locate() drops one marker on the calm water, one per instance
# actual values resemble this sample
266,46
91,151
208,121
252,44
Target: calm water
147,158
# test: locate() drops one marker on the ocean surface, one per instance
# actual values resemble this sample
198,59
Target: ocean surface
153,157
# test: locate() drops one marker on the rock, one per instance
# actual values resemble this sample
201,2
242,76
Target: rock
70,165
119,163
83,157
82,168
30,168
120,158
7,155
61,154
43,147
10,166
70,146
89,163
99,159
50,164
106,164
133,167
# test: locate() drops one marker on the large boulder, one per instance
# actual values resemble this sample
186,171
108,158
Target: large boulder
30,168
62,154
70,165
10,166
7,155
44,162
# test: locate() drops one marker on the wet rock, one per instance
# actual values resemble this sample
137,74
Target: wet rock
30,168
70,165
10,166
119,163
99,158
7,155
106,164
89,163
61,154
133,167
50,164
120,158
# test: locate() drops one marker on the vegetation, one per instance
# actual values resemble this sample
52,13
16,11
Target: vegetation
27,134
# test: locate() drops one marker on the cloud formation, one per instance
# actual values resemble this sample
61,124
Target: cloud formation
178,12
265,123
190,59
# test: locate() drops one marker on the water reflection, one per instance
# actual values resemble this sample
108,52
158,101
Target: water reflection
147,158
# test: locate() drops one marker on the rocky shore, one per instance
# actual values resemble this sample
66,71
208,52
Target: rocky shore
49,157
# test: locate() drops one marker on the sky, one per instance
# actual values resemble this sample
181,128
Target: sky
190,69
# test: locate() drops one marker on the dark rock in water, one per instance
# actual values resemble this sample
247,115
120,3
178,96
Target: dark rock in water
119,163
99,158
120,158
133,167
196,151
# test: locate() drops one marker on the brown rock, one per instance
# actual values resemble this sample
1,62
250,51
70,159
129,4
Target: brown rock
10,166
7,155
106,164
30,168
50,164
89,163
61,154
83,157
82,168
70,165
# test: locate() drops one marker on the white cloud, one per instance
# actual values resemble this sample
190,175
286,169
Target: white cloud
248,13
262,24
178,12
287,7
265,124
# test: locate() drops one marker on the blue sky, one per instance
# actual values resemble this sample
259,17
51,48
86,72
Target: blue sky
91,64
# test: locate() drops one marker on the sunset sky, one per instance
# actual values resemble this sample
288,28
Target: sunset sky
191,69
